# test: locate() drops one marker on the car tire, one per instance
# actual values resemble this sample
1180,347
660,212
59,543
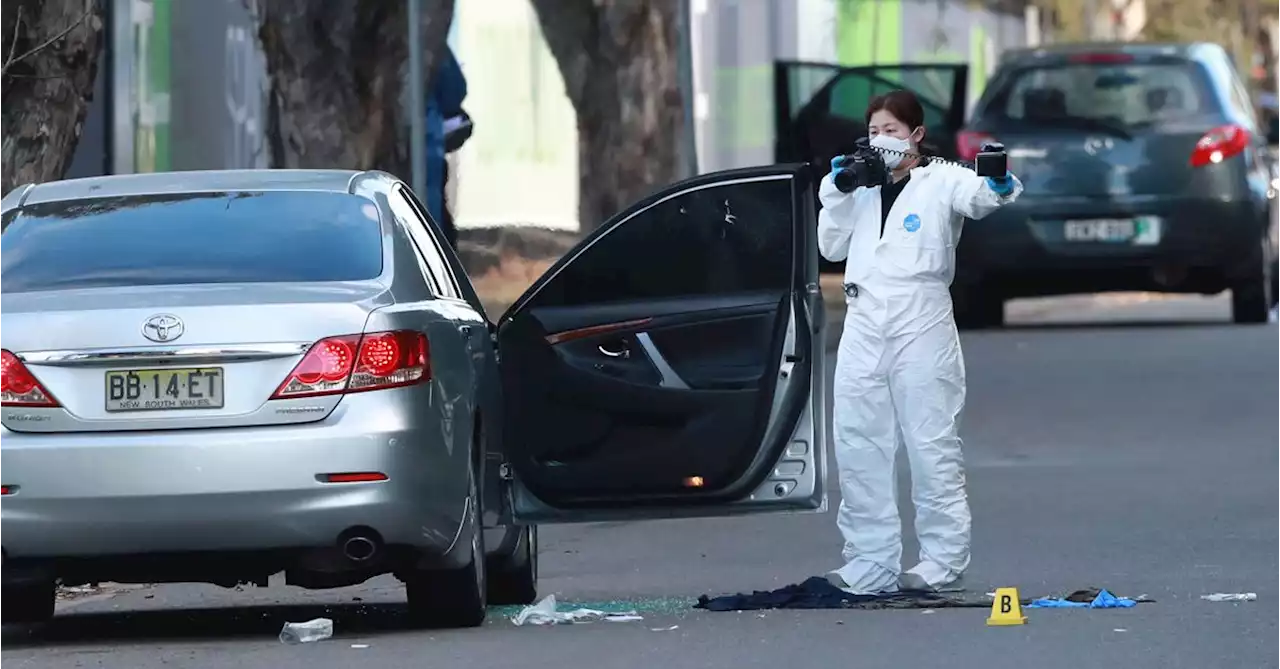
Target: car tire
28,603
1250,303
1251,300
453,597
513,578
977,309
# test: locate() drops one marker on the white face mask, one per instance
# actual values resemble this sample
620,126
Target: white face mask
891,145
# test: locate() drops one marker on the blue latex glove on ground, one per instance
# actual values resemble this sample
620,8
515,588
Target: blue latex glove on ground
1104,600
1001,186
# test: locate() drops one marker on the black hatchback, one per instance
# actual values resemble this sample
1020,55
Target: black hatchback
1145,168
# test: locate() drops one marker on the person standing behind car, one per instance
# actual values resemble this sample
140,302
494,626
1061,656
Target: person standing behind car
448,90
899,368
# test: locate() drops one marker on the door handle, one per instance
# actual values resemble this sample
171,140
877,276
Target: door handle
623,352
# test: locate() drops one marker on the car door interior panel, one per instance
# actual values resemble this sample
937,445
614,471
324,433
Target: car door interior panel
644,366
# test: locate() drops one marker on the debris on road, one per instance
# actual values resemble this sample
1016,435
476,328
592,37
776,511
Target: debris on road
1076,600
312,630
1230,597
545,613
818,593
360,646
664,629
77,591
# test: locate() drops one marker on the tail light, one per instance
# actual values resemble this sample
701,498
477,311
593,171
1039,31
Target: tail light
1219,144
19,387
356,363
969,143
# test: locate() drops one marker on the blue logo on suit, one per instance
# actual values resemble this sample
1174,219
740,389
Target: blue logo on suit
911,223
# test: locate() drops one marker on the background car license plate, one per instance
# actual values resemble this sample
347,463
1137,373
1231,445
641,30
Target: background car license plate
1106,230
160,389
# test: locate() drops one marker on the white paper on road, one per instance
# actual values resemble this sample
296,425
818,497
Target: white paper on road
1230,597
308,632
545,613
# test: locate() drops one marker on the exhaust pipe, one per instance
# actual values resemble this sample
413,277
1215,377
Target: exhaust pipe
359,548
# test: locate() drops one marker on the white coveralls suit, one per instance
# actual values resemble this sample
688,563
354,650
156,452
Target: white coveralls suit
899,369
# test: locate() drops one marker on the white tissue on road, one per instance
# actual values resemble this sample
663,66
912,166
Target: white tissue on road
1230,597
545,613
312,630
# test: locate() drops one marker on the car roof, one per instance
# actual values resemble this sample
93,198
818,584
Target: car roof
1050,51
195,181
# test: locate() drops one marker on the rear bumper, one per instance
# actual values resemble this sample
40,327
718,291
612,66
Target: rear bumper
240,489
1202,244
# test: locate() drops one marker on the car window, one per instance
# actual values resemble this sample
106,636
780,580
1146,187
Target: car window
191,238
428,248
724,238
851,95
1116,93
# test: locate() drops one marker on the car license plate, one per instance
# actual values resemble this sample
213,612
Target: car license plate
164,389
1105,230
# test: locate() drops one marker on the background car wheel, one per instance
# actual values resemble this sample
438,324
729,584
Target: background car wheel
453,597
1250,303
27,603
513,578
976,308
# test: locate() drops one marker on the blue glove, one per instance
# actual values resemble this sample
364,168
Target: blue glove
1001,186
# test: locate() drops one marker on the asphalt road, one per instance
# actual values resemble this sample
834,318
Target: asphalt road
1119,442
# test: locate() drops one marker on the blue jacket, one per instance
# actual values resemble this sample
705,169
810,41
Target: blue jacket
444,100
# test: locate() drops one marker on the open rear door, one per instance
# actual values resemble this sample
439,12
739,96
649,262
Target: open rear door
671,364
821,108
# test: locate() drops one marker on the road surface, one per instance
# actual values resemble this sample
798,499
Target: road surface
1137,452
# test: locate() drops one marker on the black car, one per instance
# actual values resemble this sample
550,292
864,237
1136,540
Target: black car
820,109
1145,168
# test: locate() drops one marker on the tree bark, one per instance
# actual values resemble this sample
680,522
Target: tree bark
619,60
50,53
337,71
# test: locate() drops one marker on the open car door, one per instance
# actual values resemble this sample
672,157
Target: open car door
670,365
821,108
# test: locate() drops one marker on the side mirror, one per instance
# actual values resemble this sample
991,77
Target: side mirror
1273,131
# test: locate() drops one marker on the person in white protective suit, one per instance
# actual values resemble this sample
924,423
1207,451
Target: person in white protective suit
899,369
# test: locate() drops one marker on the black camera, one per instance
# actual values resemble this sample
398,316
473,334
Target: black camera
992,161
863,168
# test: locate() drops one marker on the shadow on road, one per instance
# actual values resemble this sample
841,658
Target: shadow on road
1122,325
204,624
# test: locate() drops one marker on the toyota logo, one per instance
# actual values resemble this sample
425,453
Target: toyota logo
162,328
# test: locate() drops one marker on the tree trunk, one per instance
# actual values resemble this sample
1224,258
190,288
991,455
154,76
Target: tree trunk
50,50
619,60
337,73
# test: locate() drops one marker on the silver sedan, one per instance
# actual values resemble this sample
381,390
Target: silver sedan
218,376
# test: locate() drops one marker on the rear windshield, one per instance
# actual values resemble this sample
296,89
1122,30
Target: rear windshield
1118,94
190,238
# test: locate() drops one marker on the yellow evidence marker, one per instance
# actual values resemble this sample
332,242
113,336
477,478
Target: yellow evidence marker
1006,608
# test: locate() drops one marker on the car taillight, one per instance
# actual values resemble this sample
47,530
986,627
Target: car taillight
356,363
969,143
19,387
1219,144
